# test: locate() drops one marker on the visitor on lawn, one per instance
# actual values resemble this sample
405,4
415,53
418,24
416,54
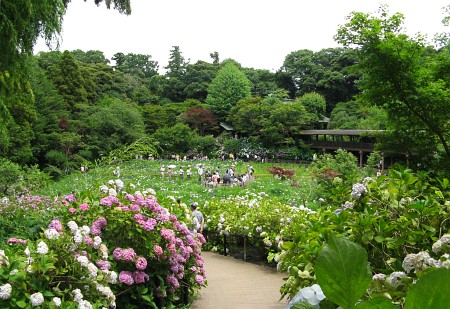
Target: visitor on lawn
197,218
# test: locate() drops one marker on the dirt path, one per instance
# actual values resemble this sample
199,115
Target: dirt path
236,284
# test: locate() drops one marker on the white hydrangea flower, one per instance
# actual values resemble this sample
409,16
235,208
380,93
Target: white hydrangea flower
5,291
93,270
73,226
97,242
394,279
37,299
379,277
111,182
51,234
27,251
57,301
313,294
13,272
112,192
84,304
77,297
104,189
30,269
78,238
3,258
42,248
85,230
104,250
84,261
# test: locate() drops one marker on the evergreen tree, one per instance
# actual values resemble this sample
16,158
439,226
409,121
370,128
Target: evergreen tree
227,88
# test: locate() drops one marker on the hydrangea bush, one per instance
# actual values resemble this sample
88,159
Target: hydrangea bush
118,250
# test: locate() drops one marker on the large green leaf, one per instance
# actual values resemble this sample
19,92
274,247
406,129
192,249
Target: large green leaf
376,303
343,272
431,291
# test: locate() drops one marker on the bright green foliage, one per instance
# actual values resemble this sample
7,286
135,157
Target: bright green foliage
401,74
9,174
174,140
343,272
113,123
354,115
263,82
315,104
431,291
325,72
228,87
136,64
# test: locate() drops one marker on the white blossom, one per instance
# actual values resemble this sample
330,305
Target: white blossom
42,248
57,301
37,299
394,279
51,234
72,226
5,291
84,261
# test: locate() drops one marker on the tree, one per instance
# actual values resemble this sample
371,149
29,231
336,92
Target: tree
136,64
174,82
198,77
227,88
401,74
200,119
315,105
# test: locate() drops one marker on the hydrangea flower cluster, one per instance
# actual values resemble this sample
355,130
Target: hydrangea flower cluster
358,190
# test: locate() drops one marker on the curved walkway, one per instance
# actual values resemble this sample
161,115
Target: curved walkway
236,284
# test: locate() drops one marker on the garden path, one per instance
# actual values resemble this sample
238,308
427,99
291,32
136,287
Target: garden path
237,284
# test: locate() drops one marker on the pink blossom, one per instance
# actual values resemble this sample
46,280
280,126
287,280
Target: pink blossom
173,281
141,263
128,255
199,280
126,277
140,277
201,238
71,198
72,210
117,254
129,197
55,224
135,207
158,250
149,225
199,263
88,241
84,206
104,265
17,240
167,234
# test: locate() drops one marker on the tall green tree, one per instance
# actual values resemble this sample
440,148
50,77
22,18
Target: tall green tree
315,104
403,75
175,82
227,88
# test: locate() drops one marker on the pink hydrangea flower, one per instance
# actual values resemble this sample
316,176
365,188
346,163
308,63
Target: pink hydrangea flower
84,206
199,280
149,225
17,240
71,198
104,265
117,254
55,224
167,234
72,210
128,255
141,263
173,281
140,277
158,250
126,277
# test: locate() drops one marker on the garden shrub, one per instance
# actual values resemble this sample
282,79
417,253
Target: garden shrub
390,216
119,250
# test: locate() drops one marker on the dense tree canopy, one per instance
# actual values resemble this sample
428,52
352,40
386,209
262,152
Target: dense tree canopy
403,75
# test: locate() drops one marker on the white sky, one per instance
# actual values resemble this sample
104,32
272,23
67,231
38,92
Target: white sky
256,33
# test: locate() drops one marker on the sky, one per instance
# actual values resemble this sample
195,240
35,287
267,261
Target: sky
256,33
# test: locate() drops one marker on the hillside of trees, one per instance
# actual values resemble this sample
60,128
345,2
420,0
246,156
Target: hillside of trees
63,109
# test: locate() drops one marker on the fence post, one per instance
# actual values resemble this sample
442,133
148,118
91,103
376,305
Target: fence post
245,248
225,245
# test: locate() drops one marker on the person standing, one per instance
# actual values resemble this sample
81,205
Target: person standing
200,173
197,218
189,173
181,173
162,170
